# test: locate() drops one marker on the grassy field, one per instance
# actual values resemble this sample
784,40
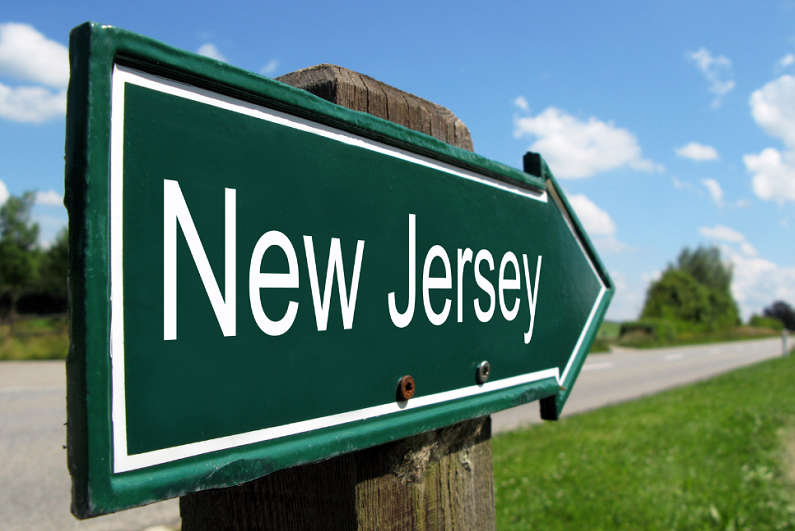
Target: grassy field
715,455
38,338
609,330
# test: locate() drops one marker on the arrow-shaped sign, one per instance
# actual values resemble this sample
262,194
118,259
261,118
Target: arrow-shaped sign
267,278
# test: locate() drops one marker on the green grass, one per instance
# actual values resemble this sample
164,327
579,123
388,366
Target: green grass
38,338
707,456
609,330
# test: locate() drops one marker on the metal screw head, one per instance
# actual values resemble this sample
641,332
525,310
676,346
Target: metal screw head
483,371
406,388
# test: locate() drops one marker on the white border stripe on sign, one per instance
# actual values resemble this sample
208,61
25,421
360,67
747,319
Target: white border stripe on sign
119,413
220,101
124,462
602,290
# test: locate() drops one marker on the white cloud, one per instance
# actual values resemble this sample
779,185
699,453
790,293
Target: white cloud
727,234
697,152
756,282
774,174
49,198
210,50
27,55
597,224
713,188
576,149
722,233
748,250
31,104
4,195
654,276
773,108
785,61
715,191
522,103
269,68
717,70
594,220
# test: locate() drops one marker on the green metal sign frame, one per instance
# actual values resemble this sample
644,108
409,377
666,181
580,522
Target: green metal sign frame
189,180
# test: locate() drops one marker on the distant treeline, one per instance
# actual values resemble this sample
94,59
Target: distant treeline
34,304
693,297
32,277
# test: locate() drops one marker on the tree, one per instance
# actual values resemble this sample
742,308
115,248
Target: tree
695,292
725,313
15,221
19,258
54,266
677,296
706,266
783,312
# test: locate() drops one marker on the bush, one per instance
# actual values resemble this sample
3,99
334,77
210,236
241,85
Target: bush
724,314
679,297
783,312
638,339
766,322
660,330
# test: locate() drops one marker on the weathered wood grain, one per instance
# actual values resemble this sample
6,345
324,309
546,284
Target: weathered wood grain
363,93
437,480
440,480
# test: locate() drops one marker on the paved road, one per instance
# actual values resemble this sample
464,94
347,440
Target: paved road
35,484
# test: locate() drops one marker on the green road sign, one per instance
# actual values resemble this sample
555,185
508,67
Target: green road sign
254,271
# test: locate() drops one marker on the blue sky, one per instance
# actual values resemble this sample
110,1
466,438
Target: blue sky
668,124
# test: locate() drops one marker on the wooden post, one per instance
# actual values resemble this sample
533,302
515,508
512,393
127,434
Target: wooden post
362,93
440,480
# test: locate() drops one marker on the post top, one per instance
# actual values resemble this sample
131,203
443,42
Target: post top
360,92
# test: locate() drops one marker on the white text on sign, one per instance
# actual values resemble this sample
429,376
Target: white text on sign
176,213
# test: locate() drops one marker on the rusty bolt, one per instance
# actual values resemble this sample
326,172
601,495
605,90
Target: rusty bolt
406,388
